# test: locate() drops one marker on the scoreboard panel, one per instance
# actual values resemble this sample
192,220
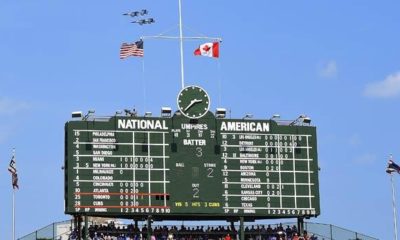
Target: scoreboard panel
181,168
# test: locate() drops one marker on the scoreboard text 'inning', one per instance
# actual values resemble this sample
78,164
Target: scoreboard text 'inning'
181,168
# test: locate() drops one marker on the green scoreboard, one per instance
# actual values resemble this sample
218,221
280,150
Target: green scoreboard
190,166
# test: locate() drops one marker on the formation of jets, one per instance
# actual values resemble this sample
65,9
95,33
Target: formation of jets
140,13
137,13
144,21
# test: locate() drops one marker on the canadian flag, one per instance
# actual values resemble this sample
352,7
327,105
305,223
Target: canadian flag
208,50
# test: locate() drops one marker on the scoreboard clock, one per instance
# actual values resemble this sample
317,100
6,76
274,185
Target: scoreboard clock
192,165
193,102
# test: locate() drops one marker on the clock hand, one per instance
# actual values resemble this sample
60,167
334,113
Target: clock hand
194,101
188,106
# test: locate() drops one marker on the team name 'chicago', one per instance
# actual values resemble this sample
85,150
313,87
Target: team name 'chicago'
245,126
142,124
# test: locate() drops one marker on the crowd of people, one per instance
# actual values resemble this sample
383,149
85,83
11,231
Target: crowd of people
112,231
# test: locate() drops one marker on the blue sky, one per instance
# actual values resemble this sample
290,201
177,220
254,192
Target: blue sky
336,61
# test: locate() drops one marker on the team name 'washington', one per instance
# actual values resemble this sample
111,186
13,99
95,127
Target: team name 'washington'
142,124
245,126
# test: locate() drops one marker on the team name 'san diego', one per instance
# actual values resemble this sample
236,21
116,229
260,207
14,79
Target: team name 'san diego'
153,124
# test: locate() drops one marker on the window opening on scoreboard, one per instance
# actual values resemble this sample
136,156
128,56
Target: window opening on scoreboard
294,170
162,197
149,168
279,173
195,172
309,172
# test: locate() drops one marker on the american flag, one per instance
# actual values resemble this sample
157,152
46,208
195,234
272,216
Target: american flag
12,168
131,49
14,181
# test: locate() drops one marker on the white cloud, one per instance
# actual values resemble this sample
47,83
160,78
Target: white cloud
389,87
354,140
11,107
8,109
366,159
6,131
328,69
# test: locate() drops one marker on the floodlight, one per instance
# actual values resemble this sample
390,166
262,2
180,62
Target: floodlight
127,112
275,116
307,120
148,114
77,114
166,112
248,116
301,121
88,114
132,113
220,113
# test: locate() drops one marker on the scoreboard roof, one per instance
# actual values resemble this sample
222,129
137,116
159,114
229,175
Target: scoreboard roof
181,168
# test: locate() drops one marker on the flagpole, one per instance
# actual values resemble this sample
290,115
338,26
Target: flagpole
394,207
13,215
181,43
13,206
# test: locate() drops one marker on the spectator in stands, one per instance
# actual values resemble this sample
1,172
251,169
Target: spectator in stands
295,236
280,228
294,228
144,232
305,235
288,231
269,230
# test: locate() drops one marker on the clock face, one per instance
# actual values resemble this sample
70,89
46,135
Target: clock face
193,102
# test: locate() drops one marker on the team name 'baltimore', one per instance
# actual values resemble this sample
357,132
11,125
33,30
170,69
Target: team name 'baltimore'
142,124
245,126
